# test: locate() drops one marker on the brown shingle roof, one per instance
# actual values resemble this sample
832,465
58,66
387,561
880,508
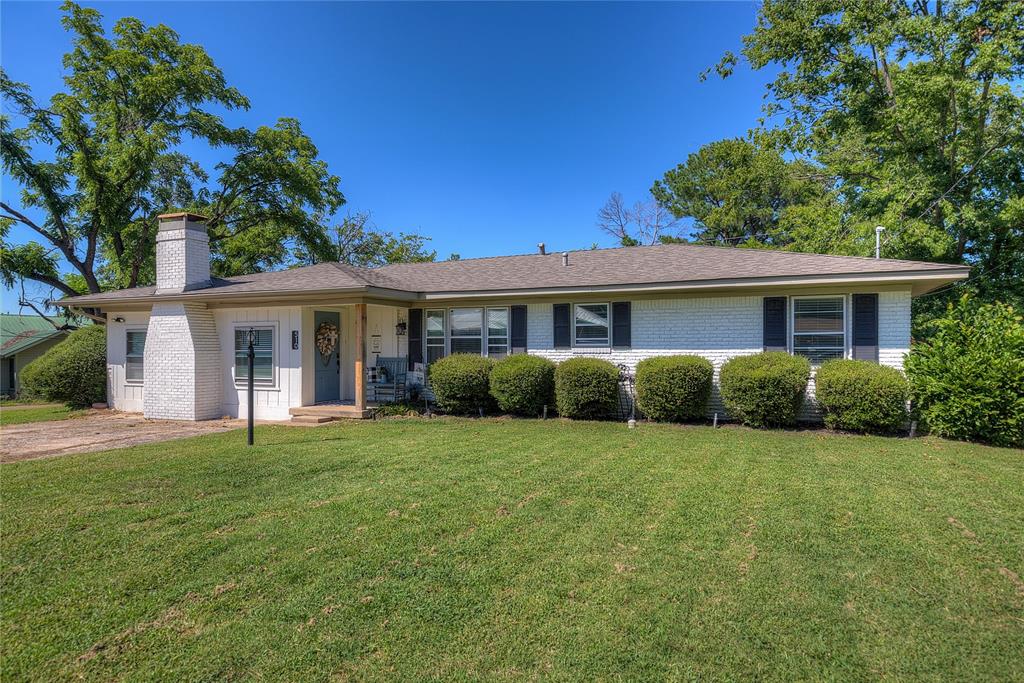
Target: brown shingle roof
322,276
665,263
661,264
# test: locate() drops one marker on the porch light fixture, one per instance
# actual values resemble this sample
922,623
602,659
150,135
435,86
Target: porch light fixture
400,328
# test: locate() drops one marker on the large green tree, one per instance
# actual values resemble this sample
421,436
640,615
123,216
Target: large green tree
741,192
99,162
913,112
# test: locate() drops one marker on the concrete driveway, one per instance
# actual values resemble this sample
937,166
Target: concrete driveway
98,431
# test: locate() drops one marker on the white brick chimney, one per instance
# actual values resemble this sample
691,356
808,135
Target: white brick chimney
182,357
182,253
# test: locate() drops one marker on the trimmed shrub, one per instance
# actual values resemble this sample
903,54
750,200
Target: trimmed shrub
967,380
73,372
523,384
766,389
862,396
673,388
586,388
461,383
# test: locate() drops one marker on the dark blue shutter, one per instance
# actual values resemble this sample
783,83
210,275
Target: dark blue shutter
775,324
560,314
517,333
622,325
415,336
865,327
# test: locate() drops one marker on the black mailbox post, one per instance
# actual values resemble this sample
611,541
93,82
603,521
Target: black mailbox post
249,389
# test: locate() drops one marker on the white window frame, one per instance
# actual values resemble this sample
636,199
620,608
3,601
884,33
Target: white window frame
845,326
426,336
485,336
142,380
258,384
608,339
508,330
451,336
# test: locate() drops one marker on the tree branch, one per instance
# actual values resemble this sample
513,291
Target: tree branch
89,313
52,282
25,220
25,302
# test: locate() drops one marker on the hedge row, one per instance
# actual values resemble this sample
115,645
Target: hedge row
762,390
465,384
672,388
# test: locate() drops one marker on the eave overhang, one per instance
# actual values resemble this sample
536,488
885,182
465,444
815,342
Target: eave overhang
921,282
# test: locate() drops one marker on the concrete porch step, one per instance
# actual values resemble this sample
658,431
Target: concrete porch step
333,412
312,419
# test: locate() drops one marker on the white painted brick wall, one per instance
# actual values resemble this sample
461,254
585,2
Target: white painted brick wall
893,328
182,363
716,328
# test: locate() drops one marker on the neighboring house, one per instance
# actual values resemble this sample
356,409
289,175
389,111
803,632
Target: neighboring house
178,350
23,338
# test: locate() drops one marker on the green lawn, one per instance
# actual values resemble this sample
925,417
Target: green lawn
506,549
23,414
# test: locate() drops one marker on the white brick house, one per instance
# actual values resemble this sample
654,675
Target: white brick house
178,350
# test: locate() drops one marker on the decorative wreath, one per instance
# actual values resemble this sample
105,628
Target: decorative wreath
326,340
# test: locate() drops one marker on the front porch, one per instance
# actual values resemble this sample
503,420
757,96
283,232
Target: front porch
342,342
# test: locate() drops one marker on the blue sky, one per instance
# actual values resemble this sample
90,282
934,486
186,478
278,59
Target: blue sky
487,127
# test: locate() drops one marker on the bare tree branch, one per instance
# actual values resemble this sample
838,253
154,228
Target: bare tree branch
645,223
613,217
24,301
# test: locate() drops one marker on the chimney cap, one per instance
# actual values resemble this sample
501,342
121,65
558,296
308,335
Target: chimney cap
540,248
182,214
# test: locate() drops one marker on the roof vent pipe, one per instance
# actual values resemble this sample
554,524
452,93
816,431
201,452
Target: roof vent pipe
565,258
540,248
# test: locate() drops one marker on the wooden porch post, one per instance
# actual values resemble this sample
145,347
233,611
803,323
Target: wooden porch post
360,357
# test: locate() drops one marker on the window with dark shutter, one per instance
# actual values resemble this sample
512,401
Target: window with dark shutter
518,331
622,325
819,328
560,315
415,336
775,323
865,327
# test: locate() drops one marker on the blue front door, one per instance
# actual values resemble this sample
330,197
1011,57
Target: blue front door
326,355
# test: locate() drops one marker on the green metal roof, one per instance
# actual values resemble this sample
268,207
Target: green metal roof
21,332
